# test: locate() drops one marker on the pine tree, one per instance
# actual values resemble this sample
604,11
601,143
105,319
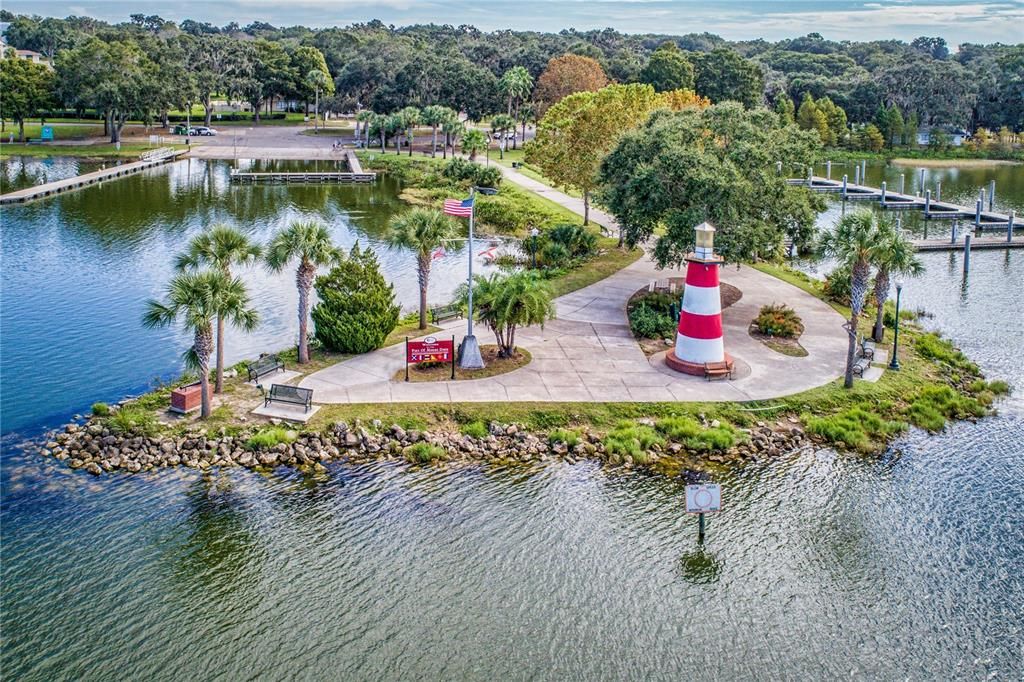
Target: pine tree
810,117
357,307
786,110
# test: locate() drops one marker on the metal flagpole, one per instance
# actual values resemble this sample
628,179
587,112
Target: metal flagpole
470,357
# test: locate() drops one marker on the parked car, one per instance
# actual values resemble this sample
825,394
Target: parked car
182,129
204,131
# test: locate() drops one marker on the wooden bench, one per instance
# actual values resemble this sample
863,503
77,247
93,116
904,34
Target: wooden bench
860,366
294,395
265,365
447,312
714,370
867,350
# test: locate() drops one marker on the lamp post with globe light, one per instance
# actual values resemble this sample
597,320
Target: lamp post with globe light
894,363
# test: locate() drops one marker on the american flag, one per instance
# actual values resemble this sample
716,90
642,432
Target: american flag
458,208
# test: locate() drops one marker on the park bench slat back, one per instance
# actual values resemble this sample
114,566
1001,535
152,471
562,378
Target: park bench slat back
265,365
294,395
446,312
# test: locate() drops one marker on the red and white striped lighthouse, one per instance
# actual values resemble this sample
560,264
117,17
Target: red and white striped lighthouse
699,339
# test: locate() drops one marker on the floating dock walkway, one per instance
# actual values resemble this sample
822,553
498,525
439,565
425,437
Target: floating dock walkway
355,173
147,160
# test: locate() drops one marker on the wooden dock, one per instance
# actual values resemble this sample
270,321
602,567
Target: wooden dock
896,201
958,245
148,160
355,173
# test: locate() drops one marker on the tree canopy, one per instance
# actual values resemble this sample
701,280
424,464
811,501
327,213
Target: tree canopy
715,164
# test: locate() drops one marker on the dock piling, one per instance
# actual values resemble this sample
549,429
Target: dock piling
952,235
991,195
864,171
903,183
856,175
967,253
845,178
883,193
920,183
1009,228
938,191
828,170
927,203
977,213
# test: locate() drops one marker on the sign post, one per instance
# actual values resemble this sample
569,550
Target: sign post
429,349
701,499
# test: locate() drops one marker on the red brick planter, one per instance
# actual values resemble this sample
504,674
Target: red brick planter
187,398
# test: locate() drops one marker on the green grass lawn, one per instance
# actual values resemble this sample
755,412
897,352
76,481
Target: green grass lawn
128,150
77,131
530,171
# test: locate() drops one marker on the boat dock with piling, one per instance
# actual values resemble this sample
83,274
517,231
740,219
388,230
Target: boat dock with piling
147,160
979,216
355,173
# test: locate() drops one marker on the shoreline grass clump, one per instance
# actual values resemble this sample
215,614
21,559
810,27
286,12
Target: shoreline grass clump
632,440
132,419
474,429
568,437
693,436
421,453
100,410
268,438
856,427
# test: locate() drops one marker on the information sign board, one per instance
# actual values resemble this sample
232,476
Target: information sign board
703,498
430,349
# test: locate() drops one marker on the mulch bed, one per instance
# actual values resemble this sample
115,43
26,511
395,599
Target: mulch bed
494,366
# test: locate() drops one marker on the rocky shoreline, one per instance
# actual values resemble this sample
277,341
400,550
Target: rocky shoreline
93,448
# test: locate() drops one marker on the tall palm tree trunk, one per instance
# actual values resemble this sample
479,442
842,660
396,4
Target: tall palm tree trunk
433,146
881,296
423,275
304,282
219,384
203,346
586,208
851,351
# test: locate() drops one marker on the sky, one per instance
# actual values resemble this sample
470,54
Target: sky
955,20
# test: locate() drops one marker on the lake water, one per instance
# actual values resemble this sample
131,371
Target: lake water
27,171
78,268
821,566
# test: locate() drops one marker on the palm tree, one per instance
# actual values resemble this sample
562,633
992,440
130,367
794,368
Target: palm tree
379,126
365,117
422,231
506,302
410,117
453,128
854,242
220,248
516,84
395,126
318,80
473,140
310,243
433,116
198,299
896,255
501,124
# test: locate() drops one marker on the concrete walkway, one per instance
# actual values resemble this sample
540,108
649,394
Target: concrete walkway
572,203
589,355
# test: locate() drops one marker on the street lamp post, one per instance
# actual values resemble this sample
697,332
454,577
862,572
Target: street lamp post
533,233
470,357
894,363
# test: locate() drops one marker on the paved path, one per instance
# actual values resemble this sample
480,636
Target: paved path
572,203
589,355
